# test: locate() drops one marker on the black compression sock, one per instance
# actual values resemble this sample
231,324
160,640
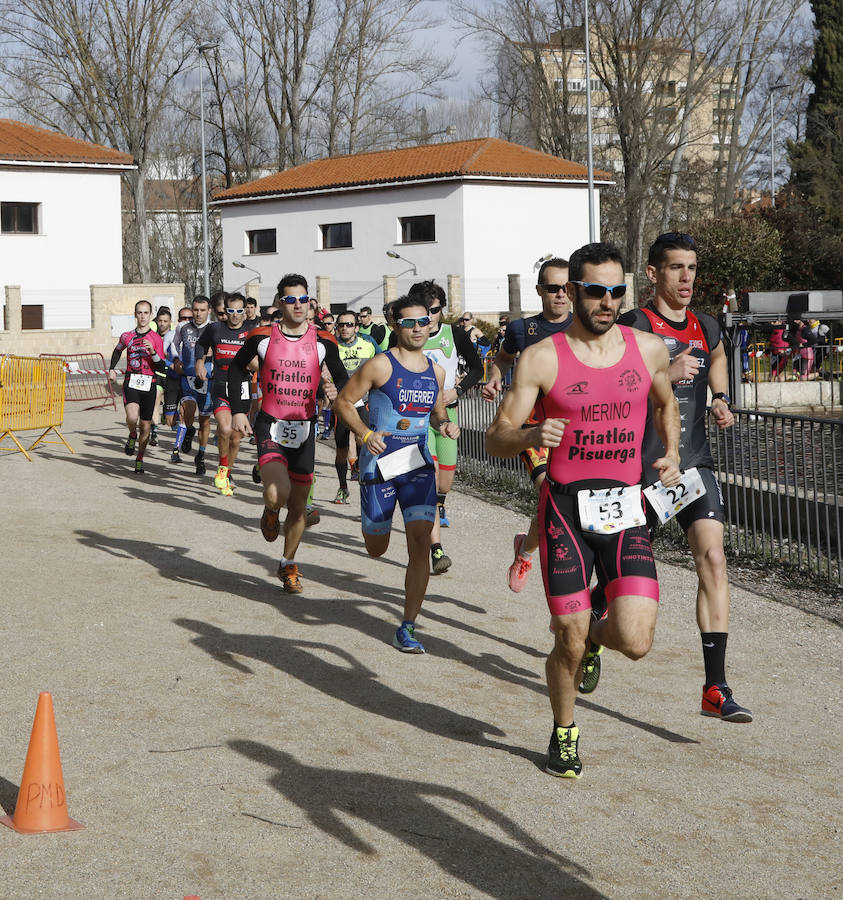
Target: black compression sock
714,656
342,474
440,499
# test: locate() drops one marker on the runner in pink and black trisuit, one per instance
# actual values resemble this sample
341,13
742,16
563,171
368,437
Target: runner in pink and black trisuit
595,380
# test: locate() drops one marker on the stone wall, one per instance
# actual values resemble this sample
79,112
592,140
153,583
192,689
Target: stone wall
107,300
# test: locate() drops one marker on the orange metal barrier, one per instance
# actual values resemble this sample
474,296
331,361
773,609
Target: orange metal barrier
87,378
31,398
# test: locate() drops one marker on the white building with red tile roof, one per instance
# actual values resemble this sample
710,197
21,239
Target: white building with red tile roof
480,209
60,221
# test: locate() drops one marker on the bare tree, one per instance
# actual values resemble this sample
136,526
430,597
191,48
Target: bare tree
767,44
99,69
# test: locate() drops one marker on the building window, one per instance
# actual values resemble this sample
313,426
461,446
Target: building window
416,229
261,241
19,218
335,235
32,317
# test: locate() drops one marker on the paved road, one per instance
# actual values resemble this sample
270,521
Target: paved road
221,738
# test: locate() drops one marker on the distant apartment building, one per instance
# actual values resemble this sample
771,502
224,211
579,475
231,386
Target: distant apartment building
656,79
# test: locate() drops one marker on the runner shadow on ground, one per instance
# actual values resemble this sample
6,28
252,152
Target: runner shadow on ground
357,614
346,680
361,584
8,795
414,812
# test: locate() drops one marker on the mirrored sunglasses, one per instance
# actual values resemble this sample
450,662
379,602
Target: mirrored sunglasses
599,291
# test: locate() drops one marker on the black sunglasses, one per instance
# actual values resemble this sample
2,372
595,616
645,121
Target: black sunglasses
550,288
599,291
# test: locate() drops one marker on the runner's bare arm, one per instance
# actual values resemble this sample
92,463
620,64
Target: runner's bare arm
501,364
536,372
439,420
665,406
373,373
718,381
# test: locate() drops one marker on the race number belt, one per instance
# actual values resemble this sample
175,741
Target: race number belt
400,462
609,510
140,382
667,501
289,433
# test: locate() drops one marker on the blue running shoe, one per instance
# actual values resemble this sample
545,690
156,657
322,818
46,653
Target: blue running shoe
405,640
443,517
718,702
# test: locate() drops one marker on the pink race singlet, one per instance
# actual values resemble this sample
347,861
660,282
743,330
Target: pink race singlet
607,409
290,375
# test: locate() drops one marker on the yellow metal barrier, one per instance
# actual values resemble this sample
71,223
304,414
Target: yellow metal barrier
31,398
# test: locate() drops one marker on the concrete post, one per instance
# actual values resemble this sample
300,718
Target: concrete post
629,301
514,296
455,299
253,289
13,316
323,291
390,288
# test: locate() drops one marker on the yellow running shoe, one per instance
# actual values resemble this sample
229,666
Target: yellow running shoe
221,478
227,490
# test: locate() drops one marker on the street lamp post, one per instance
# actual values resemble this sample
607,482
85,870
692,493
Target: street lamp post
201,49
238,265
588,127
393,255
773,89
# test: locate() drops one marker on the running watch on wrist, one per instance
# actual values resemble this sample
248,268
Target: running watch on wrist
720,395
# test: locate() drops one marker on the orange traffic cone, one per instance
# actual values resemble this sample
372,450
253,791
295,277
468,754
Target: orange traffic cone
42,803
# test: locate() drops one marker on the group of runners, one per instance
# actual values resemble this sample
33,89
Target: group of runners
604,410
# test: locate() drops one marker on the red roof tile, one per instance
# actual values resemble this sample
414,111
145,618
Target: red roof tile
460,159
19,141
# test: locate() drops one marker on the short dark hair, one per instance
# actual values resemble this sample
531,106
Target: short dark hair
365,309
200,298
405,302
593,254
430,290
291,279
236,296
143,301
251,301
217,297
556,262
672,240
163,311
345,312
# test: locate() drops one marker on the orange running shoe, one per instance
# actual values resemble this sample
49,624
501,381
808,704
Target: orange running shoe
290,580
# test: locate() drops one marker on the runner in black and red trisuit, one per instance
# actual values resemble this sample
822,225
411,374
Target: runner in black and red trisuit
520,334
224,339
698,362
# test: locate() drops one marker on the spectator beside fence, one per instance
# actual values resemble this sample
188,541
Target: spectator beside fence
779,350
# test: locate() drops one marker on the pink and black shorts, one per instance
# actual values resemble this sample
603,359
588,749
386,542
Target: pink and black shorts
569,555
298,460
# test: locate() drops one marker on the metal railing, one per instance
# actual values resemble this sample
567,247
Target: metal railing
781,477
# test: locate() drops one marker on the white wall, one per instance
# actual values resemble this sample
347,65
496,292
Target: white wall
509,227
484,231
356,272
79,241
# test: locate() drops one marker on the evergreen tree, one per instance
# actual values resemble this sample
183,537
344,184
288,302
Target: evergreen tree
817,162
